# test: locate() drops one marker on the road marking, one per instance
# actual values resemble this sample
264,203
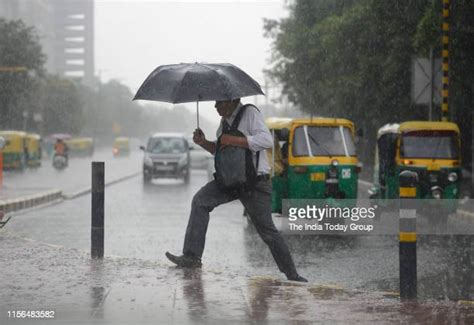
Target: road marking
465,213
466,302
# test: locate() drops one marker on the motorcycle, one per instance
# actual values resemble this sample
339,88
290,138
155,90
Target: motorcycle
59,162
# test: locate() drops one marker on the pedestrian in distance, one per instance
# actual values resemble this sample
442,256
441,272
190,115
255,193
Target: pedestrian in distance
257,201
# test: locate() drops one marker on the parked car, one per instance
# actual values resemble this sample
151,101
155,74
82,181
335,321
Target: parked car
166,156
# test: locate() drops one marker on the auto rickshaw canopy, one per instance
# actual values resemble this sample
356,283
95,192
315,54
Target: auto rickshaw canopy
278,123
428,125
324,121
13,139
121,141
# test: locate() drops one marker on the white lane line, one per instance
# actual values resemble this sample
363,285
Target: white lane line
465,213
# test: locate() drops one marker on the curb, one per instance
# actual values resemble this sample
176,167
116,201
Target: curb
29,201
89,189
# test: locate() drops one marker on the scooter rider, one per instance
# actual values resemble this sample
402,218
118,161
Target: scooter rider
61,149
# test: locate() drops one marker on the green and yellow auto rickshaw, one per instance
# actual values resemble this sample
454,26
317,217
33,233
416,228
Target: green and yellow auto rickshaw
318,159
15,150
33,145
121,147
431,150
80,146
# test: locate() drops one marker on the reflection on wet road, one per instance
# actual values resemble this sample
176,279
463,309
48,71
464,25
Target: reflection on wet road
144,221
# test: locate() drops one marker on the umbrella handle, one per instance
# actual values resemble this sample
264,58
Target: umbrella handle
197,115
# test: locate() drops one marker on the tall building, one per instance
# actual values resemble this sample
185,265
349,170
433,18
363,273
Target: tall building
66,31
74,41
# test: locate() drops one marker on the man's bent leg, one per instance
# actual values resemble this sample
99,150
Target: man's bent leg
258,206
204,201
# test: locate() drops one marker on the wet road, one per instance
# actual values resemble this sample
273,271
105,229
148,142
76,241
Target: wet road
145,221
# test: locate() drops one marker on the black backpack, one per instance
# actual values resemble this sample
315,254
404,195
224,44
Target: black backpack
235,171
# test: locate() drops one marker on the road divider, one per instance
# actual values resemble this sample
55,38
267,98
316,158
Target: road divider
87,190
28,201
47,196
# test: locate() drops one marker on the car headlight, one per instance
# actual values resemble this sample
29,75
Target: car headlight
436,192
452,177
148,161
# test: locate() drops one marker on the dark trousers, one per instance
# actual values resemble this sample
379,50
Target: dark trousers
258,206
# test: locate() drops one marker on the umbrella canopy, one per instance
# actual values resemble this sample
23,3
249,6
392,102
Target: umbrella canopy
193,82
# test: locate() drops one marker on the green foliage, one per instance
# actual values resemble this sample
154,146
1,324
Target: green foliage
349,59
19,48
62,105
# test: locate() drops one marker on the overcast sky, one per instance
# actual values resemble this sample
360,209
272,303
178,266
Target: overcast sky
134,37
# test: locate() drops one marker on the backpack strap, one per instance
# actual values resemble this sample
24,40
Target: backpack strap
235,125
238,117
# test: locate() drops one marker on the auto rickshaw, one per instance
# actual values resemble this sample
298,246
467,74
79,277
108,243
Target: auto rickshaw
15,150
33,144
121,147
319,160
432,150
80,146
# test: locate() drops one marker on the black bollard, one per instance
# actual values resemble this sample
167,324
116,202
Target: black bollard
408,181
97,211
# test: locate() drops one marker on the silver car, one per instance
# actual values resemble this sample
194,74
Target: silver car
166,156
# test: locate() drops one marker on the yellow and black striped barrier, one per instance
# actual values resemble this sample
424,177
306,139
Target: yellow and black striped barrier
445,64
408,181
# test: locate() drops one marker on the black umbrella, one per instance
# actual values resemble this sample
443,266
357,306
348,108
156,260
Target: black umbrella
194,82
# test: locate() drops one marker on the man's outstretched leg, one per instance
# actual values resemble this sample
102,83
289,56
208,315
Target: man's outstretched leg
204,201
258,206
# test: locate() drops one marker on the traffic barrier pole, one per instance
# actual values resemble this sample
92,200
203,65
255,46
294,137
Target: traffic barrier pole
408,181
97,211
445,65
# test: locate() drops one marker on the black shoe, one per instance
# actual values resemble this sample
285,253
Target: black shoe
185,261
296,277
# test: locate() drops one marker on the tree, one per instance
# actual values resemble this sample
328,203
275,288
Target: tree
62,104
21,65
349,59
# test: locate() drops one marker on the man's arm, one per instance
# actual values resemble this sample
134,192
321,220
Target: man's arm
260,137
208,146
200,139
231,140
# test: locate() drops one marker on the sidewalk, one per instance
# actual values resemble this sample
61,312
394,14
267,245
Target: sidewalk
42,277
